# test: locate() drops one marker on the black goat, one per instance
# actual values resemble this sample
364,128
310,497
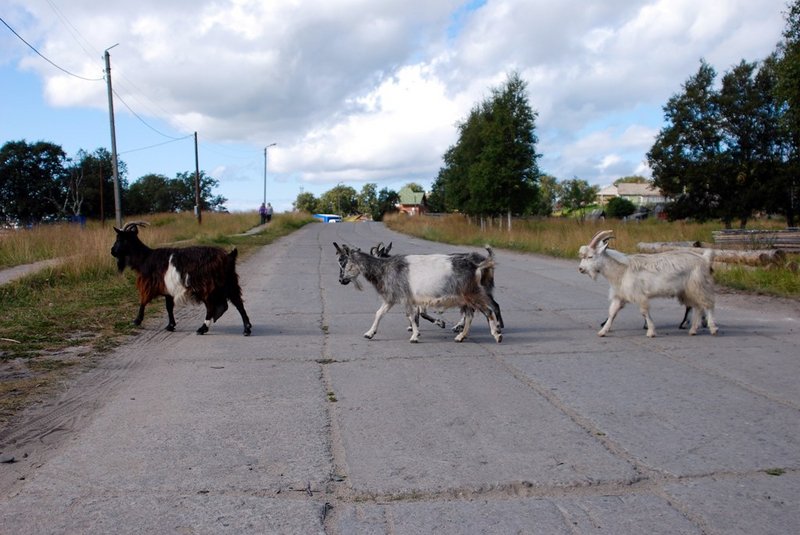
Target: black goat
197,274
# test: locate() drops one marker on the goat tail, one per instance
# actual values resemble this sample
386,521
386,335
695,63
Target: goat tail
708,255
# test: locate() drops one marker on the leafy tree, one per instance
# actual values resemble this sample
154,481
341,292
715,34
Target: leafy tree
721,149
152,194
576,195
94,172
155,193
387,203
416,188
686,153
184,187
787,67
341,199
619,207
633,179
368,199
492,169
548,195
305,202
31,177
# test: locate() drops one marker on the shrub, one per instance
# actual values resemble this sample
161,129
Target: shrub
619,207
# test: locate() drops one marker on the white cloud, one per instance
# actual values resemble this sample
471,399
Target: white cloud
357,90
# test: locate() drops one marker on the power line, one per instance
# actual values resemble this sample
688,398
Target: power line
157,144
143,121
45,58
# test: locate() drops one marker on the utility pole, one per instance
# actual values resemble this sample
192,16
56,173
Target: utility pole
197,183
114,166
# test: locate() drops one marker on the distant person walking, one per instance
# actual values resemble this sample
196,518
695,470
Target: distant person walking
269,212
262,211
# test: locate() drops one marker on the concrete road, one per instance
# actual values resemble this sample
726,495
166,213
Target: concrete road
307,427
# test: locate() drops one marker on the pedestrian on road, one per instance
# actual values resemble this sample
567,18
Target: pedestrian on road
269,212
262,211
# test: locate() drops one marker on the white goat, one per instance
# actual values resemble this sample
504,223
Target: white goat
640,277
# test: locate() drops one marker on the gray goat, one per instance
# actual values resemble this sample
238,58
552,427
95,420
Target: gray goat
435,280
487,281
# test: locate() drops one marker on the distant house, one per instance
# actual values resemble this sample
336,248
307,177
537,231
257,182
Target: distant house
638,194
412,202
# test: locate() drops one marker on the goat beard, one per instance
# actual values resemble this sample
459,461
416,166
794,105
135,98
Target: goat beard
356,283
121,263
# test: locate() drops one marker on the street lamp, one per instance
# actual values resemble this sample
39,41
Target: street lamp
265,170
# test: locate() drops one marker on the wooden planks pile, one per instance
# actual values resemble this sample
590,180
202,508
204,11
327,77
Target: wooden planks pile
786,240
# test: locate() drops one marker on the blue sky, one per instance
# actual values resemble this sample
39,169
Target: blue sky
357,91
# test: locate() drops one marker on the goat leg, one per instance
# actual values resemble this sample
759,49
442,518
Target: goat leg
140,316
169,301
615,306
468,314
436,321
651,326
237,302
413,313
384,308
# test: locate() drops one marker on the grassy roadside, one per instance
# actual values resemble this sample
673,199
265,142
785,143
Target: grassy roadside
67,316
563,237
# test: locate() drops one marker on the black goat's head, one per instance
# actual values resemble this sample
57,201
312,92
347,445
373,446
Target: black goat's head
126,243
381,251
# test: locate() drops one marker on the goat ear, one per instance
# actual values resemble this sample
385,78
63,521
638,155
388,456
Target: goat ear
338,249
118,231
603,245
388,248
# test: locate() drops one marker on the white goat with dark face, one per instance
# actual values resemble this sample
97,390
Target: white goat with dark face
487,281
638,278
435,280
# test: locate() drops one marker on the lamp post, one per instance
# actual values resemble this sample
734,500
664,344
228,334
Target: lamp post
265,170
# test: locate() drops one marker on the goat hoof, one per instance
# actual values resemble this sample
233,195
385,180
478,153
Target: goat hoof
499,338
248,329
170,328
137,322
202,330
368,336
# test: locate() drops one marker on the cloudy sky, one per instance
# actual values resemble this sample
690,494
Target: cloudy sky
357,91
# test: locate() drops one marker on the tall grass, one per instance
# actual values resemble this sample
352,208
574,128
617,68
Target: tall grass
562,237
68,313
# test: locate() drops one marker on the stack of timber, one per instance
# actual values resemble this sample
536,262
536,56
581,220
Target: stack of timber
786,240
752,257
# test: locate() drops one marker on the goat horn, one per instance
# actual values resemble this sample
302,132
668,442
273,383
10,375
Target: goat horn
600,236
133,225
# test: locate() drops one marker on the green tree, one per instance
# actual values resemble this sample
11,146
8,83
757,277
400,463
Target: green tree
492,169
152,194
341,199
633,179
368,199
787,180
548,195
94,172
387,203
305,202
183,186
31,178
576,194
413,186
619,207
685,156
